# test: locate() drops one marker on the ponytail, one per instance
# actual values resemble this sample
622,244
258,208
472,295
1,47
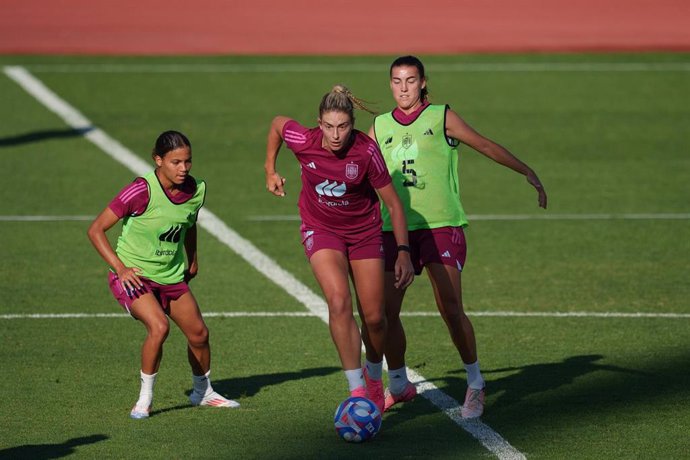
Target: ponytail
341,99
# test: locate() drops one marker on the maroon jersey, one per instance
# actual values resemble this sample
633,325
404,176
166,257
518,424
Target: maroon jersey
338,190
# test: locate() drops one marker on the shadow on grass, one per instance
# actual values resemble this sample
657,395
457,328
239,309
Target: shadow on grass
549,390
533,379
249,386
538,378
536,396
39,136
46,451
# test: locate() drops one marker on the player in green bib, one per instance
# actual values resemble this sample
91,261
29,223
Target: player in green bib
155,258
419,142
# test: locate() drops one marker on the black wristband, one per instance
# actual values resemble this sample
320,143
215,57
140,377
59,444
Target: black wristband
403,247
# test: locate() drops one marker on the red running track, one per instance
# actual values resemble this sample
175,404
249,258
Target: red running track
340,27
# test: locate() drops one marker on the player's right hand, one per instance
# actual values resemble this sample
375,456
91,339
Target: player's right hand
129,280
274,184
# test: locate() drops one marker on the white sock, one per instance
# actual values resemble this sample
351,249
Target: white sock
375,370
474,376
202,383
397,380
355,378
146,391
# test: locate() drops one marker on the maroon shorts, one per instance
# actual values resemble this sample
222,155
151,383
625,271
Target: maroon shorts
164,293
445,245
370,247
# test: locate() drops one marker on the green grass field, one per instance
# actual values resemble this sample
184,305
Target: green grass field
608,136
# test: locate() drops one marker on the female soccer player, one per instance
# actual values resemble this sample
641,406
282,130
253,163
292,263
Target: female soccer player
148,276
342,172
419,143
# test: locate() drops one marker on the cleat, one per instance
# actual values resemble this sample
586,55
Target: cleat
407,394
474,403
375,390
212,399
140,412
359,392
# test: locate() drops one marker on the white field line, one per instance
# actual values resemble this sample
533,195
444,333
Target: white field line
491,440
514,217
471,217
307,314
363,67
44,218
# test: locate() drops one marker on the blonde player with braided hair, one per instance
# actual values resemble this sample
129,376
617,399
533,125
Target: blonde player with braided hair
343,176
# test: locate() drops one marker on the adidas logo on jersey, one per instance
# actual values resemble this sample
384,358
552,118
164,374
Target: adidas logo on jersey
446,254
428,132
311,165
389,140
328,188
172,235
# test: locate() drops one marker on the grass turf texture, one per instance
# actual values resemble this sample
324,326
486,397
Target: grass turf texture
602,142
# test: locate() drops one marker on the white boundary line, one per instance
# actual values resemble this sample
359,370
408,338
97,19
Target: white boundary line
514,217
471,217
209,221
44,218
306,314
355,67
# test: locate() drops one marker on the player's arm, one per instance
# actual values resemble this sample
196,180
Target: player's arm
404,271
190,250
274,182
96,233
458,129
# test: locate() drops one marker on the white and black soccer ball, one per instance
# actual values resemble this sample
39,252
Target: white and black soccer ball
357,419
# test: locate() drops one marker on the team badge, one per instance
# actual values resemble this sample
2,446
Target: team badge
406,141
351,171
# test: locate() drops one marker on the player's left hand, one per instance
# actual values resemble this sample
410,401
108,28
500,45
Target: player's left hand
536,183
190,273
404,271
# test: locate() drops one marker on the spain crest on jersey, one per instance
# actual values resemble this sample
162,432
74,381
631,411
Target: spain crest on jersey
351,171
406,141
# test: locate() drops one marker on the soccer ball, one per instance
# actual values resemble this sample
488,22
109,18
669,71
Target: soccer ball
357,419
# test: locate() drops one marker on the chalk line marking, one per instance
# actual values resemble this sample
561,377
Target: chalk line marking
471,217
45,218
306,67
491,440
514,217
308,314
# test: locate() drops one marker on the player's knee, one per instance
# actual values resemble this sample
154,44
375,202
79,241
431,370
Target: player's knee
454,317
339,305
375,321
393,316
159,331
199,338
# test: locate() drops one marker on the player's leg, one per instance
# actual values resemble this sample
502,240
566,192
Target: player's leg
331,267
399,387
367,277
147,310
447,286
446,283
184,311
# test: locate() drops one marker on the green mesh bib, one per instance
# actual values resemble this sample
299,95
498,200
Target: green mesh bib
423,163
154,240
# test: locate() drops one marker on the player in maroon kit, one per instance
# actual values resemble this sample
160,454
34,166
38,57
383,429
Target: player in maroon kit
342,173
